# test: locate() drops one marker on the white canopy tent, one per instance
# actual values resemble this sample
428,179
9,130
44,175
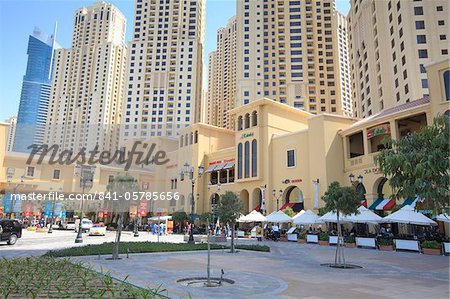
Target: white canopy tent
161,218
332,217
407,215
443,217
278,217
365,216
253,216
298,214
306,218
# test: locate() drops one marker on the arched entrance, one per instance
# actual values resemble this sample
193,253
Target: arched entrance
257,199
383,191
214,200
244,196
293,198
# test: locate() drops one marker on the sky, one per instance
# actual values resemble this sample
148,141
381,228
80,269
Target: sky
19,17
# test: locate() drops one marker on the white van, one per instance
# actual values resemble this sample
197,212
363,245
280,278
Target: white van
86,224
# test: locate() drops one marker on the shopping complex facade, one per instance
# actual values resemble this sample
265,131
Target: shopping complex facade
276,154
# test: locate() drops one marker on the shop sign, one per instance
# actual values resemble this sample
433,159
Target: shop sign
379,130
291,181
247,135
374,170
221,161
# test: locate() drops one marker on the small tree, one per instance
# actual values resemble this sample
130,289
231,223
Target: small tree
418,164
228,210
118,187
205,217
180,217
342,201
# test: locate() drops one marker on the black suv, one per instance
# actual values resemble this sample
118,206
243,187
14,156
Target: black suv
10,231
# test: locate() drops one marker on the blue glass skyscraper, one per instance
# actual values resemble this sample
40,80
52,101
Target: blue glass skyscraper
35,94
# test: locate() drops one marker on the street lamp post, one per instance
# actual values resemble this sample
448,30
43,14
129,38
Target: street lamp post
86,174
190,170
277,197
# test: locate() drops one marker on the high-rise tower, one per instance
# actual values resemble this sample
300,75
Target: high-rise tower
35,94
87,91
390,43
287,50
164,84
222,77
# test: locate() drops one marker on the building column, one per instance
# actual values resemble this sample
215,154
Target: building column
394,130
365,142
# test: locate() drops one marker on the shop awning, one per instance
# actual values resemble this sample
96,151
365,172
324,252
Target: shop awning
257,208
383,204
363,203
288,204
228,165
410,201
215,167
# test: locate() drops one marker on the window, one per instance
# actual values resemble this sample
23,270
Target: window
421,39
239,125
418,11
30,171
254,158
290,158
423,54
239,161
56,174
247,121
247,159
447,85
424,83
254,118
420,25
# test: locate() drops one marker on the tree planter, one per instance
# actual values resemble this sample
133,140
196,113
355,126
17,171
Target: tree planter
283,239
323,243
431,251
386,247
350,245
302,241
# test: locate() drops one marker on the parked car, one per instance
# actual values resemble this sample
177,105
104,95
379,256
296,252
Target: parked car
86,225
97,230
10,231
70,225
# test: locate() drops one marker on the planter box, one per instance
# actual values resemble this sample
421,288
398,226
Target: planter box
350,245
386,247
323,243
431,251
302,241
31,228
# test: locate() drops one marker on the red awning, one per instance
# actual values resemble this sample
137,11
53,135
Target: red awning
288,204
363,203
257,208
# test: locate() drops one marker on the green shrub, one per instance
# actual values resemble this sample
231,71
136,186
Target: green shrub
302,236
431,244
385,242
323,236
350,239
143,247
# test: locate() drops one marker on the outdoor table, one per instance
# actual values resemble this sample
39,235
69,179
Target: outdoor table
446,247
332,240
412,245
312,238
366,242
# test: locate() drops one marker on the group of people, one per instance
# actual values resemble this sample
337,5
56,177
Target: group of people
157,229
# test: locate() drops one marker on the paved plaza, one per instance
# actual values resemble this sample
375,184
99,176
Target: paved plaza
290,270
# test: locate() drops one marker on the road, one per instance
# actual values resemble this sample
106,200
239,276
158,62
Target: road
35,244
